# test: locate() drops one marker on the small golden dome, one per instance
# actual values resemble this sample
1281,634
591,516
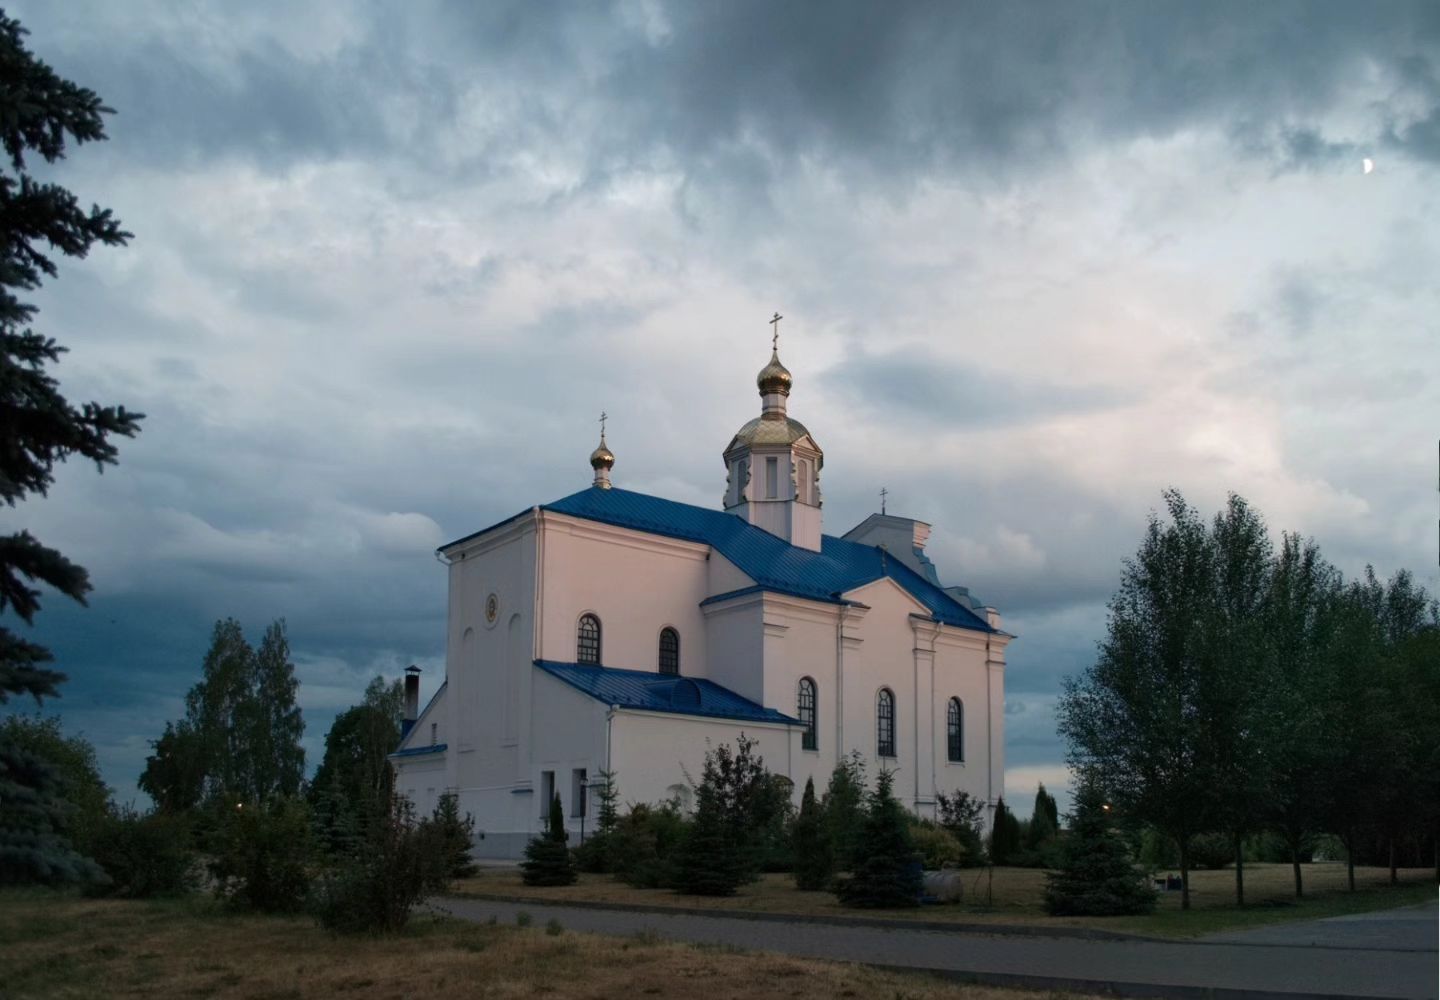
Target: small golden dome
602,457
774,377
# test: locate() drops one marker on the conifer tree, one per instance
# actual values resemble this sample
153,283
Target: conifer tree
711,858
1044,822
887,871
1004,834
40,113
547,859
1096,876
814,859
843,809
596,854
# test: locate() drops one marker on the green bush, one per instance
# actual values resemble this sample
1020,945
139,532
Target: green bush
372,888
263,856
145,856
962,814
1157,850
936,845
1211,850
646,844
595,852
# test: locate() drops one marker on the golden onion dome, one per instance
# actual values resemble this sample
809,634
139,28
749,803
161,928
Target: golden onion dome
774,377
602,457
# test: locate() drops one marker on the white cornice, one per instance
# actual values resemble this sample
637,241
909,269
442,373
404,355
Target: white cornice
516,527
629,537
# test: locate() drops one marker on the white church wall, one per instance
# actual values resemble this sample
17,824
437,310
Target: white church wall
885,658
735,645
489,654
961,671
422,781
650,752
724,576
636,583
800,641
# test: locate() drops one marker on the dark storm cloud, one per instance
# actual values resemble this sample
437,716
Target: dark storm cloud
734,92
955,395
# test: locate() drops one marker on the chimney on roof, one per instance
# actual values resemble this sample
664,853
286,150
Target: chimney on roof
412,700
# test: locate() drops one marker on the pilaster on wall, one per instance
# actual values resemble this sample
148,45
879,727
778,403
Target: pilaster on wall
847,646
924,687
995,685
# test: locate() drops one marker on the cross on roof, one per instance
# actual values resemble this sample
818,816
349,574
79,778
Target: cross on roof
602,423
775,339
883,494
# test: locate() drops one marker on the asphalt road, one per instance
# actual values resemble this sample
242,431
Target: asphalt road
1380,955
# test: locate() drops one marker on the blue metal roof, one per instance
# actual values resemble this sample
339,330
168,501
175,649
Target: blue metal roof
652,692
420,751
773,563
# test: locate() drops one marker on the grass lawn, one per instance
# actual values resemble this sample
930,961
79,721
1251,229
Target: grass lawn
58,946
1014,896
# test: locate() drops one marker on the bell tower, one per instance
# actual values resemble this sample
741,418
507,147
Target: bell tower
774,464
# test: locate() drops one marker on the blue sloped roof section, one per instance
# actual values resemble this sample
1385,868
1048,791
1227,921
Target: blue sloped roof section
421,751
654,692
773,563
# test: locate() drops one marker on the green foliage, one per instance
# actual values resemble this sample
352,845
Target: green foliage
843,809
372,888
1005,836
1044,822
963,816
1156,850
740,821
1096,876
34,823
646,845
596,853
937,847
1211,850
354,783
146,856
814,858
547,859
41,113
886,871
447,838
76,769
263,856
240,738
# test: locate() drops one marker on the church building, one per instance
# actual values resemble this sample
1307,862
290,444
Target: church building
616,631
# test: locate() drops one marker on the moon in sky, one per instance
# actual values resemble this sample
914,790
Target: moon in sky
1368,164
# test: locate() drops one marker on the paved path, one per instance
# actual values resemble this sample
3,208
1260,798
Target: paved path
1134,968
1409,928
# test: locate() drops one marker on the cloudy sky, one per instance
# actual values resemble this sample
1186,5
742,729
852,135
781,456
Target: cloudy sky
1037,261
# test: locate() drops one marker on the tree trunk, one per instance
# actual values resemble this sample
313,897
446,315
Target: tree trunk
1295,861
1239,870
1394,879
1184,873
1349,842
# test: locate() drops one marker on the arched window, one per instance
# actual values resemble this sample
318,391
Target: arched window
805,711
955,731
885,723
669,651
587,640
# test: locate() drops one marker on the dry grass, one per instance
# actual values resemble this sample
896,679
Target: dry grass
1015,896
55,946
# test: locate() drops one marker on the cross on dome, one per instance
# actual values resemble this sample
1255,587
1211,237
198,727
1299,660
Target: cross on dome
602,459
